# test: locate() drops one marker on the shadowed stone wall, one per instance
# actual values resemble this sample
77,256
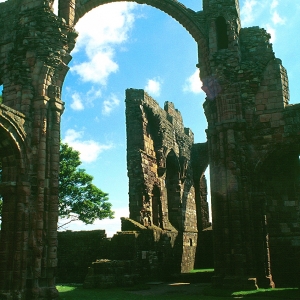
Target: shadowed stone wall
77,250
253,141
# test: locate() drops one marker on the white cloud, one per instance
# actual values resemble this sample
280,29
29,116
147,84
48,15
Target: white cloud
98,68
77,102
274,4
80,101
153,86
247,11
256,11
277,19
92,95
272,31
100,32
110,104
193,83
89,149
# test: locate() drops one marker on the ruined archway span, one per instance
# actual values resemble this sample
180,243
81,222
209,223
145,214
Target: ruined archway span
11,122
172,154
188,18
185,16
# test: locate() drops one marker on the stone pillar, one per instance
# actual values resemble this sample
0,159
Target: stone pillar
33,74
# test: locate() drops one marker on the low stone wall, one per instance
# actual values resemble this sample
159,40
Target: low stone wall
77,250
111,273
152,253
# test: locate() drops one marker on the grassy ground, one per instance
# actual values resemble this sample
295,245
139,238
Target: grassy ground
202,271
77,292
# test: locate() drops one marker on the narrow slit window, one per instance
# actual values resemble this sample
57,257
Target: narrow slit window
222,37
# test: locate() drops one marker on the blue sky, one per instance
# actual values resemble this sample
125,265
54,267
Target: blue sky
126,45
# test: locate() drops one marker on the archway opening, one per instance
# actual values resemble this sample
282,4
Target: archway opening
173,186
9,176
151,57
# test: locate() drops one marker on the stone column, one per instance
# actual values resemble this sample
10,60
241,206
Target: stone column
35,57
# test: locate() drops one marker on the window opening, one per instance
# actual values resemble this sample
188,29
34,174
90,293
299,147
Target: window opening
222,37
156,207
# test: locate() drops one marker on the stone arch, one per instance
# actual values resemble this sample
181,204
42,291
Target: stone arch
14,189
188,18
12,122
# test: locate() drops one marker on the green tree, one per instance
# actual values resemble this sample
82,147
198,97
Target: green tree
79,198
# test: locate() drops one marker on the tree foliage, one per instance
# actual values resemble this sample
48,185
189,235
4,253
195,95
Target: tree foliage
79,198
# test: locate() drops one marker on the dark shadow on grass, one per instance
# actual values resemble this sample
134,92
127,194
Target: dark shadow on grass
77,292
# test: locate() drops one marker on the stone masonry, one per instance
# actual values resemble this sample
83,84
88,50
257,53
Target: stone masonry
162,191
252,140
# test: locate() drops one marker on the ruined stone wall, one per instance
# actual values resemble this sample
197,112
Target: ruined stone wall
253,147
149,252
156,140
161,182
77,250
135,254
34,53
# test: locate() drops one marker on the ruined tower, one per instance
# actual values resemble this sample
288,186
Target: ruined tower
229,108
246,109
160,170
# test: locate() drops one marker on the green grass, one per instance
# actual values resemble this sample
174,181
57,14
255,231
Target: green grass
202,271
260,294
78,293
